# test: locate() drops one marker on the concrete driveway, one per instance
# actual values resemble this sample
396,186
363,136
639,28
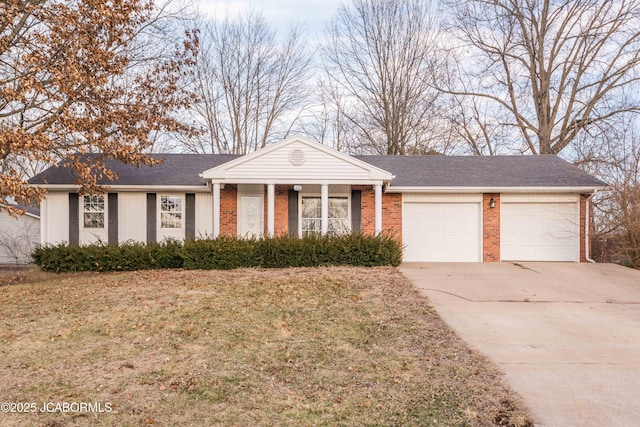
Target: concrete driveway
567,336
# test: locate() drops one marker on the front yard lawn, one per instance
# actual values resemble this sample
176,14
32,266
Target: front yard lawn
303,347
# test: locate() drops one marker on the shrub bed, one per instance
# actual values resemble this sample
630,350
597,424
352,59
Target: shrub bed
224,253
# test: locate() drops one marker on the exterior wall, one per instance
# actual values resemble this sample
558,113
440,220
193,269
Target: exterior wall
18,237
317,163
490,228
132,219
539,197
54,214
391,211
132,223
281,211
583,236
229,210
204,215
368,197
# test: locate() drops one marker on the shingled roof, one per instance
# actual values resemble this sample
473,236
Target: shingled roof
409,171
483,171
177,169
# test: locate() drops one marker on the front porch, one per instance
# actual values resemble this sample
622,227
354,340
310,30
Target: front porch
252,210
297,187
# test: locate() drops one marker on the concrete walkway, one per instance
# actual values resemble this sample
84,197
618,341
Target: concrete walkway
566,335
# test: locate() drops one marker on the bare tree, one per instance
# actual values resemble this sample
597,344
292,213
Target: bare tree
547,70
326,119
251,85
616,220
382,55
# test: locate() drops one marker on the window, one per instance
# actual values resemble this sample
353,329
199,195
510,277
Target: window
339,221
170,212
93,211
311,215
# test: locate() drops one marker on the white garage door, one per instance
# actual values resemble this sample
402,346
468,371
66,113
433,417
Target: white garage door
441,231
540,231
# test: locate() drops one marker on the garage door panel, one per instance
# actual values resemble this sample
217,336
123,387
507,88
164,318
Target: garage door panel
540,231
441,232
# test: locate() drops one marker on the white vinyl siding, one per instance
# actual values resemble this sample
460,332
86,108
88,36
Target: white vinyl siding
539,197
538,231
317,163
18,237
442,227
204,215
132,217
54,211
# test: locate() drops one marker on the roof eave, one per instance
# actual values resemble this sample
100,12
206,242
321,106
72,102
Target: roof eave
114,187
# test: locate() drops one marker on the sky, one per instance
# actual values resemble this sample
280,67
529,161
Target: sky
313,14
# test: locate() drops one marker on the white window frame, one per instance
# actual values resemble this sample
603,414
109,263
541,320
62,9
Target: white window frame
318,195
104,211
182,212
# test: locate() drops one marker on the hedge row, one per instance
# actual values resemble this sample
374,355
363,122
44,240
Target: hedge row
224,253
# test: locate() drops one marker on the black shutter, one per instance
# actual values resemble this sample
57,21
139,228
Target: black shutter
293,213
151,218
190,216
74,223
113,218
356,210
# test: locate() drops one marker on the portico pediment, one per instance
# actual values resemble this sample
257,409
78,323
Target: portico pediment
297,160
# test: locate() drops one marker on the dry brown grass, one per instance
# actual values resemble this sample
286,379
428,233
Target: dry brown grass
334,346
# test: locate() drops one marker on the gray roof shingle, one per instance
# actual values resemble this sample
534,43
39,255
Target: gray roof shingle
177,169
483,171
410,171
27,209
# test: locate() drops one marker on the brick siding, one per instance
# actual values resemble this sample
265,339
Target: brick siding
229,210
391,211
491,228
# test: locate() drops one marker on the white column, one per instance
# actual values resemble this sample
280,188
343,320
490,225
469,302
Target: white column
216,210
324,203
271,209
378,208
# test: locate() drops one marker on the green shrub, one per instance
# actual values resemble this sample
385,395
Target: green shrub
225,253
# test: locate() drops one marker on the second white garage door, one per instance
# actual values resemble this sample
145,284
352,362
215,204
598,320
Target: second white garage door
441,231
537,231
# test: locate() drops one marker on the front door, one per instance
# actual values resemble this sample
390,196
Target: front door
250,223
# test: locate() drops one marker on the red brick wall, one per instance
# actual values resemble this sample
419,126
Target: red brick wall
392,214
391,211
583,218
490,228
229,210
281,223
368,215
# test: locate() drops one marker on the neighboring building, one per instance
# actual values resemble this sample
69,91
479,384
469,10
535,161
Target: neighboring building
19,236
445,208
